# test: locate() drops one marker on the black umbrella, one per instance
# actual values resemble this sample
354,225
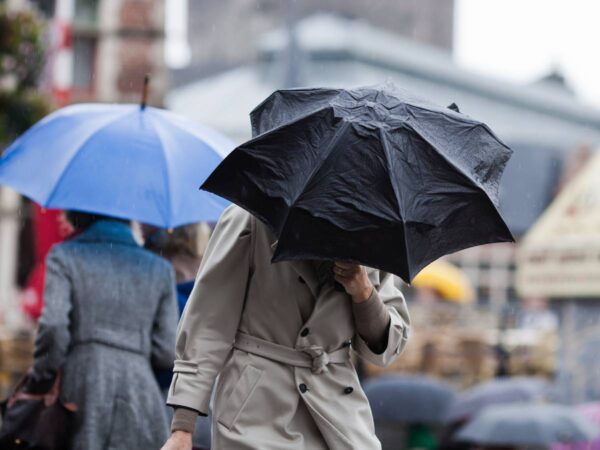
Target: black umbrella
409,399
372,175
498,391
522,424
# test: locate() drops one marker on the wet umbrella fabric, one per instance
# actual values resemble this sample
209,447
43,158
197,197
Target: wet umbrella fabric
372,175
409,399
118,160
499,391
521,424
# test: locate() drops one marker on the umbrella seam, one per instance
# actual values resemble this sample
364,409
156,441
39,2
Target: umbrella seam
203,139
476,183
286,124
398,201
280,91
78,152
156,128
334,140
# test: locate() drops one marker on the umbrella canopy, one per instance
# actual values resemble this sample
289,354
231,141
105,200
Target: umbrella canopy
372,175
409,399
447,279
527,424
501,390
118,160
592,412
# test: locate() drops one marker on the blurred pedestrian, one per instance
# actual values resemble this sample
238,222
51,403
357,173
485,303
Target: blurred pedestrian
110,314
535,314
278,337
183,247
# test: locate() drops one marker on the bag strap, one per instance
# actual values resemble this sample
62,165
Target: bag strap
52,395
49,397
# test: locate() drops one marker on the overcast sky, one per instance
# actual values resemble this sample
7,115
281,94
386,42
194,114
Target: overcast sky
521,40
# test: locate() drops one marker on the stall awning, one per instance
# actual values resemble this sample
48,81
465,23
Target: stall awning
560,256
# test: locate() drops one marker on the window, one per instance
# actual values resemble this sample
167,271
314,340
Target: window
46,7
84,51
86,12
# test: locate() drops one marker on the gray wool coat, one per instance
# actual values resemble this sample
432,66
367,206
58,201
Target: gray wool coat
109,317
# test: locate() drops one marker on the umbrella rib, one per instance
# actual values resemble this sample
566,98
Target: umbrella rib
78,152
214,146
157,129
318,166
397,196
475,183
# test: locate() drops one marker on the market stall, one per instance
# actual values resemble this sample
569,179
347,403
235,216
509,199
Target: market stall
559,259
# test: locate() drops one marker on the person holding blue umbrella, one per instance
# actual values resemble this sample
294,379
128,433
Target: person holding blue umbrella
110,314
111,309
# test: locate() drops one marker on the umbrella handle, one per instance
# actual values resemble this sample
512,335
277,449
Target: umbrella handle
145,90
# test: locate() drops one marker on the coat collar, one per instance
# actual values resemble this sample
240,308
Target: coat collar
108,231
305,270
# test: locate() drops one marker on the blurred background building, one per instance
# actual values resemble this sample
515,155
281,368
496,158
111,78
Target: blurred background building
220,29
215,60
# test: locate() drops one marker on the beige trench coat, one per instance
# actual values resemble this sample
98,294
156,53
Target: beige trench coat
260,403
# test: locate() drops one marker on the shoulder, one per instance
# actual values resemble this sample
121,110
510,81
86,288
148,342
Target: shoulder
235,213
150,258
236,218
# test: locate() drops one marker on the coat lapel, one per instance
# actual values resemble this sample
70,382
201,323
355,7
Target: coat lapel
305,271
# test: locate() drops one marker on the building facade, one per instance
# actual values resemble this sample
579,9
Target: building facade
223,32
97,51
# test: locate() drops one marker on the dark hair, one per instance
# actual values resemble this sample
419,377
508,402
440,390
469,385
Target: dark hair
81,221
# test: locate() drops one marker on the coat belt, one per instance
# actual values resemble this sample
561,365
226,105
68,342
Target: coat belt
313,357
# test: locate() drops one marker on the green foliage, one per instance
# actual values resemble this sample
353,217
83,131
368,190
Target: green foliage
21,63
19,110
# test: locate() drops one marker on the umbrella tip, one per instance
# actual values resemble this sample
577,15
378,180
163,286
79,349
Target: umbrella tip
145,90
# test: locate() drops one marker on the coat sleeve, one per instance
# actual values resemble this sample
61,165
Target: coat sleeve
53,336
397,334
212,314
165,325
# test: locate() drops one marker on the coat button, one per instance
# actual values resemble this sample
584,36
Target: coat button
303,388
301,280
304,332
349,390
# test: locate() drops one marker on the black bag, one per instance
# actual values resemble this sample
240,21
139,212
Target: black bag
36,421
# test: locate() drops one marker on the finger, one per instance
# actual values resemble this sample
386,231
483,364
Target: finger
346,273
339,270
343,280
346,265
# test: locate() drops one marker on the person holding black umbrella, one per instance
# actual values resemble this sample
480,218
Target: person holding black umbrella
278,337
375,176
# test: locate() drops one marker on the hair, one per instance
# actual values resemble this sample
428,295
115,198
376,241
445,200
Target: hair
190,240
82,221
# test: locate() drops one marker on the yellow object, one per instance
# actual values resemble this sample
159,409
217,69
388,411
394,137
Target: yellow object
446,279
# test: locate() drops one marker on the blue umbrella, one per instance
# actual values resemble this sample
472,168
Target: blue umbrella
125,161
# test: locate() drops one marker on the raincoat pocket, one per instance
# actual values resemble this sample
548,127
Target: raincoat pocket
234,404
181,366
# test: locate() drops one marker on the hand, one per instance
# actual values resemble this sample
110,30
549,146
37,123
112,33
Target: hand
179,440
355,280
